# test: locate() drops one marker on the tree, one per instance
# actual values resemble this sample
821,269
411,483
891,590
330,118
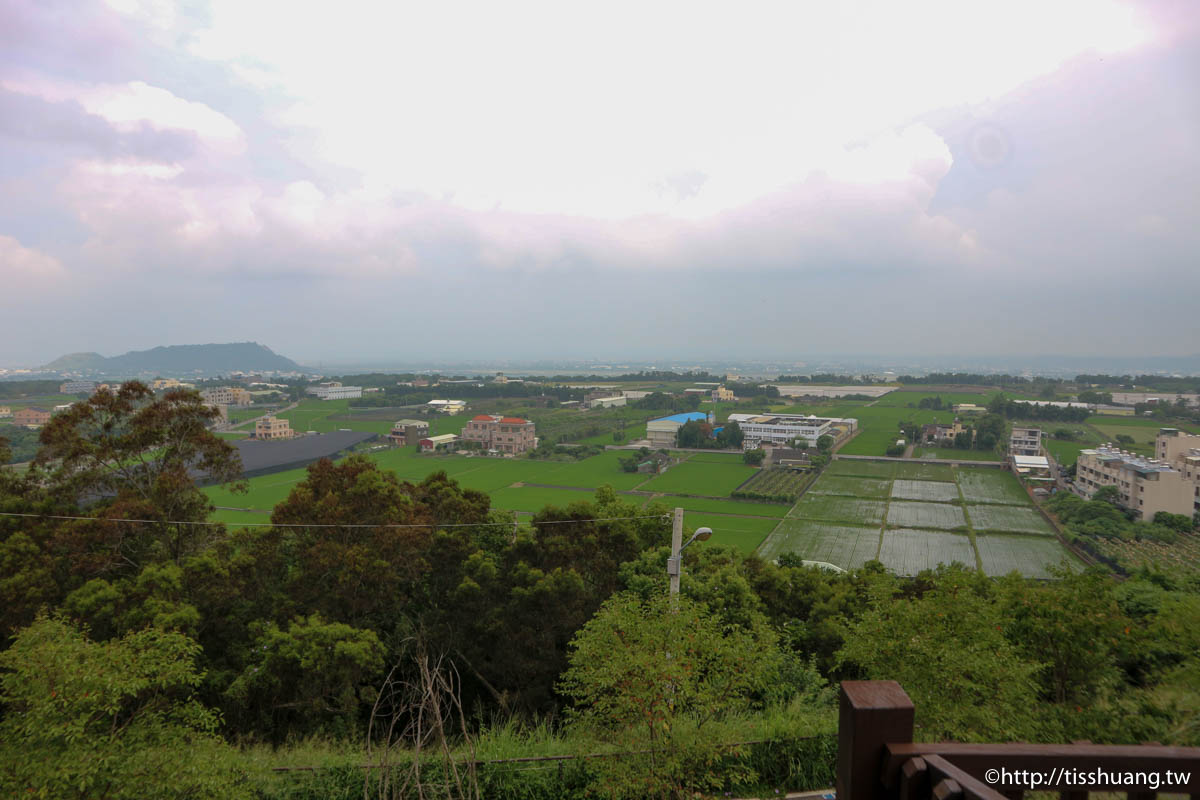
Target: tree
137,451
731,435
754,457
695,434
825,443
652,675
1107,494
83,719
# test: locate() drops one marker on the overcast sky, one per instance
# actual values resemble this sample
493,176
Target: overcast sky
536,180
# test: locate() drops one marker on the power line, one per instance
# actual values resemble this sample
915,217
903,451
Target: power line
663,517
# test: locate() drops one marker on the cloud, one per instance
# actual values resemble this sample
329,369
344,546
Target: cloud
22,267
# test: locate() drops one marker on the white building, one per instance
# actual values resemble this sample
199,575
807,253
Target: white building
608,402
335,391
781,430
451,407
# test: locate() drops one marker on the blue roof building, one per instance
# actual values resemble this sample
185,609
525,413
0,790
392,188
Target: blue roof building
661,432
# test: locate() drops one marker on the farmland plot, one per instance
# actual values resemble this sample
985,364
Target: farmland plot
845,546
925,472
931,491
851,487
903,514
840,509
1029,555
907,552
861,469
1008,519
740,532
702,478
991,486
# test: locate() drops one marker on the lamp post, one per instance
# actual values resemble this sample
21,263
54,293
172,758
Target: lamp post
678,546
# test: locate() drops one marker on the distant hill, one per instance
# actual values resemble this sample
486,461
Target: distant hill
183,359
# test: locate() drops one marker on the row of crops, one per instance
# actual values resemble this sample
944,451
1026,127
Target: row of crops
778,484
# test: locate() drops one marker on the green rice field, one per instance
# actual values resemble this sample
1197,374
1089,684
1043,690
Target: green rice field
1031,556
845,546
905,514
848,486
716,480
954,454
933,491
907,552
832,508
1009,519
992,486
861,469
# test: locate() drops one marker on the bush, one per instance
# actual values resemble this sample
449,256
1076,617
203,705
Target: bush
754,457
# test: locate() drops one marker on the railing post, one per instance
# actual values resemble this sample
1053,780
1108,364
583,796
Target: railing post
871,714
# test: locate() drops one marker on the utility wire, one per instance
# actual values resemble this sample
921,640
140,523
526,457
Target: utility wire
325,524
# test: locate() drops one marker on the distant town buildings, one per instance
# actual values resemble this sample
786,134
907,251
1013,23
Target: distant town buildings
1182,451
447,406
605,400
661,432
333,390
935,432
31,417
407,432
1145,486
77,387
273,428
968,409
160,384
227,396
512,435
783,430
5,412
1025,441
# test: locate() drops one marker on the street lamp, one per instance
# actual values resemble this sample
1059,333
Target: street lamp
674,562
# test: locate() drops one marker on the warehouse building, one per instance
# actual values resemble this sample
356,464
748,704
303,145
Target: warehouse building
661,432
447,406
334,390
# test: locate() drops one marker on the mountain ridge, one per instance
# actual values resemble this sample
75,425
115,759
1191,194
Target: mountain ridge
180,359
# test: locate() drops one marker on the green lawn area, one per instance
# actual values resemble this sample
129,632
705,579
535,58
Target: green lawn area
744,534
717,480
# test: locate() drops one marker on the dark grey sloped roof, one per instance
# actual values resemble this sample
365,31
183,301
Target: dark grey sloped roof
263,457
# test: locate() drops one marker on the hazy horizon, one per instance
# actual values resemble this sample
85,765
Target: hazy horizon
539,181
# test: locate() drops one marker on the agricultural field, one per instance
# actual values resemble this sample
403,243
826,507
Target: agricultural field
714,480
849,486
778,482
845,546
711,505
924,472
1180,560
932,491
923,524
904,514
954,454
862,469
907,552
744,533
1009,519
832,508
992,486
1032,556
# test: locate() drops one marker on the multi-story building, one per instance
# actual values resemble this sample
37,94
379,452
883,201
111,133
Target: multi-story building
227,396
722,395
935,432
1146,486
408,431
159,384
1182,451
450,407
783,430
333,390
661,432
512,435
31,417
1025,441
273,428
77,387
5,412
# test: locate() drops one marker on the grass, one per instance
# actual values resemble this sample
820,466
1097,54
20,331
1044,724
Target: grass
716,480
845,546
907,552
744,534
905,514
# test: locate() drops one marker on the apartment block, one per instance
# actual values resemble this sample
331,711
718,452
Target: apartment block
77,387
1182,451
722,395
512,435
31,417
1024,441
1146,486
227,396
273,428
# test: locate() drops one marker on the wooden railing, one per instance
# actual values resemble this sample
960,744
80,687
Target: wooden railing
878,760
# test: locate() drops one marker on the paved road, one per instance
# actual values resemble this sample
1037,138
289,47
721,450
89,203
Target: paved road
230,427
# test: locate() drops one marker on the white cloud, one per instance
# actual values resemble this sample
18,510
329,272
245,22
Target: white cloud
23,267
